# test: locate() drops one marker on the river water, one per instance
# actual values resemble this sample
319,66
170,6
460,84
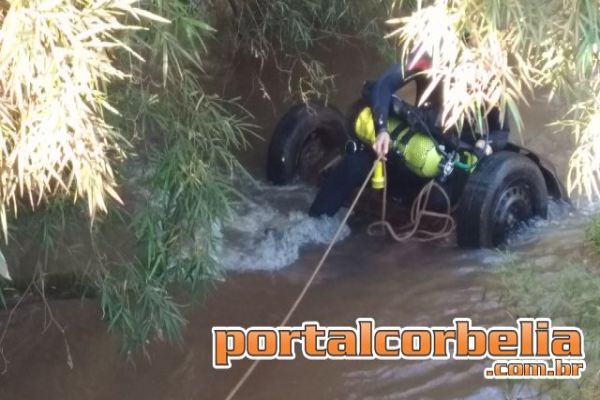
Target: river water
270,252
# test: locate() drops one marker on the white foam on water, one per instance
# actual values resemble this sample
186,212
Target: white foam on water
272,227
561,217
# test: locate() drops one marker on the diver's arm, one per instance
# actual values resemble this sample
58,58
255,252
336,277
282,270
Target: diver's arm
381,94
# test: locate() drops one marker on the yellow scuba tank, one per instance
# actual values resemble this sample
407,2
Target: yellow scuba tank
418,150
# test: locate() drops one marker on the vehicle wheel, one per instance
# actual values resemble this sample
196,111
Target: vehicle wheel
306,141
505,190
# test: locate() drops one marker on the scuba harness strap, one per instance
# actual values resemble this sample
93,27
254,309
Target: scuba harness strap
425,150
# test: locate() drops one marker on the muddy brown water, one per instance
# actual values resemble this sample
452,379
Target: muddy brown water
398,285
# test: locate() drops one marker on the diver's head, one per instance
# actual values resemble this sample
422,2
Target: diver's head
419,63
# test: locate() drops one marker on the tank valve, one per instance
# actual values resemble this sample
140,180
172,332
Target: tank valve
378,180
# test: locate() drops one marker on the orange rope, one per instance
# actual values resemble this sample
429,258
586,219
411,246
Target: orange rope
418,211
308,284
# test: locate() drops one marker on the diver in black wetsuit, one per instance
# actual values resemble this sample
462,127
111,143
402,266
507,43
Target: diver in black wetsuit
352,171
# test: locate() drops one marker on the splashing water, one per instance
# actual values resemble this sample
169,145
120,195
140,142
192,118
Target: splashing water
270,230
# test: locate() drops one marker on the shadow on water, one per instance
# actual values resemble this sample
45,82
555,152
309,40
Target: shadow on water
399,285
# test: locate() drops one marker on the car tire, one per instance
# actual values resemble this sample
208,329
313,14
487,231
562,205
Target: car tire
504,190
306,138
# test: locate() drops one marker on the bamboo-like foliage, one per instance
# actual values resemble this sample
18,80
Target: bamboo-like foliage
583,121
83,83
489,53
54,68
185,137
152,72
470,59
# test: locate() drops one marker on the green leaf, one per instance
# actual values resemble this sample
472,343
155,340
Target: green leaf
4,268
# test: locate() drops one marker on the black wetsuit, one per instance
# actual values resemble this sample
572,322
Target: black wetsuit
352,171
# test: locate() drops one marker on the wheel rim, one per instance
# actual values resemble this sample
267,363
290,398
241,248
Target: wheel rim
514,207
317,156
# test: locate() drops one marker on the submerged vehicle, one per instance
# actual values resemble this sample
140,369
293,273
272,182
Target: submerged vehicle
496,193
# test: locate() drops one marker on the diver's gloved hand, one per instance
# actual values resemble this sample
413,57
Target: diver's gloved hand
382,144
484,147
